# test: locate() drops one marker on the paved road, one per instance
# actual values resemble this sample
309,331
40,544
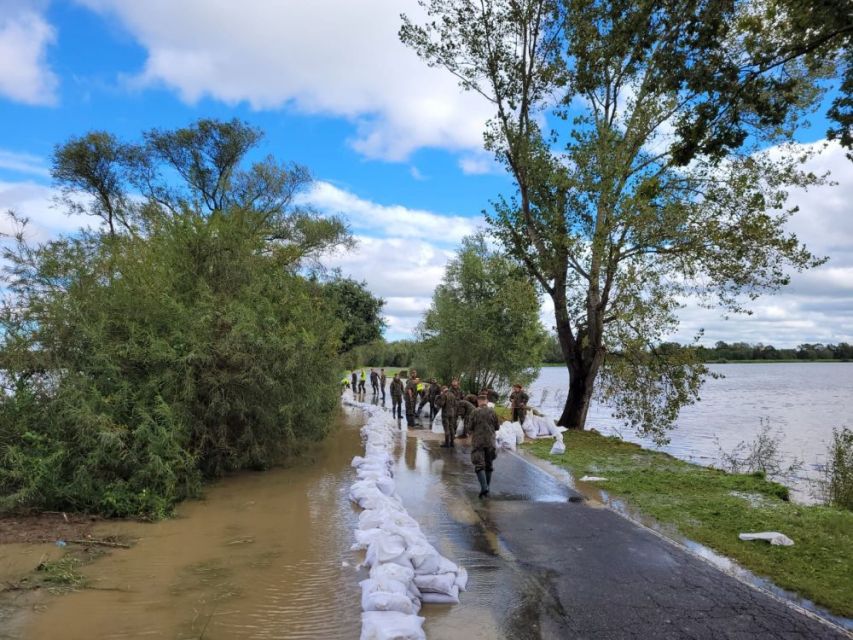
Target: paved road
544,565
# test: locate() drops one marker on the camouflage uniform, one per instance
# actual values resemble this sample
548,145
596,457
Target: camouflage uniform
465,408
447,403
410,395
382,380
481,426
354,383
396,397
519,400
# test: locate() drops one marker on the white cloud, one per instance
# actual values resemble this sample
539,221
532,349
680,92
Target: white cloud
334,57
818,304
23,163
36,202
389,220
24,39
478,163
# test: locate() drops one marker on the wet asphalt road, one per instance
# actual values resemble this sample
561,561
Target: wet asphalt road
545,565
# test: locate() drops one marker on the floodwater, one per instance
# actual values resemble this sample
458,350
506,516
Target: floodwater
260,557
801,402
267,555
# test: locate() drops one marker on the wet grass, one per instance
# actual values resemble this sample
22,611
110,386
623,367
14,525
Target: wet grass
63,573
712,507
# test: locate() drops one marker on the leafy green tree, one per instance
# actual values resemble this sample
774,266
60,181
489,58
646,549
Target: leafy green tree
638,137
483,325
359,311
178,341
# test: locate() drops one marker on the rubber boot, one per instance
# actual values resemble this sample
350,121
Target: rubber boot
484,484
488,480
444,445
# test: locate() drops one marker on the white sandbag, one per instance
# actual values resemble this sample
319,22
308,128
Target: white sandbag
391,571
462,578
386,548
437,426
446,566
391,625
460,428
505,437
386,595
441,598
558,449
436,583
773,537
593,479
424,558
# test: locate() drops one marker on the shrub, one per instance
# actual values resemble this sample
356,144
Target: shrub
839,469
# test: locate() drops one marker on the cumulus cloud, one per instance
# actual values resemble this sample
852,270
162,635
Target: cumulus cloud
389,220
25,36
818,304
36,203
333,57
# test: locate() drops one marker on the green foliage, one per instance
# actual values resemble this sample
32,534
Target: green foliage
399,354
483,325
184,344
655,182
358,310
712,507
839,469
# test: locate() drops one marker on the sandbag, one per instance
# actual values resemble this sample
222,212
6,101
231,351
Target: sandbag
436,583
384,594
386,548
391,625
441,598
558,449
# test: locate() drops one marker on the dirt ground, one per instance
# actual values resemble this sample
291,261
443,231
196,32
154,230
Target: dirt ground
45,527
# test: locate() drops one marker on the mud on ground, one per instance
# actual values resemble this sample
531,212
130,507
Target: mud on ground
45,527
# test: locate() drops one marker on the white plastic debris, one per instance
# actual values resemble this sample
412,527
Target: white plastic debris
558,449
593,479
773,537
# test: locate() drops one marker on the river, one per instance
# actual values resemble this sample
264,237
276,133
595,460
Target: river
801,402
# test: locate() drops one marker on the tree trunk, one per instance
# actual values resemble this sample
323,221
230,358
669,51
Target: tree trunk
581,384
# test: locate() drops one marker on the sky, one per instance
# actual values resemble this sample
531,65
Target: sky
395,146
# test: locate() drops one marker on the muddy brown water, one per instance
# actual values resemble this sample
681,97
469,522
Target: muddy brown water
263,555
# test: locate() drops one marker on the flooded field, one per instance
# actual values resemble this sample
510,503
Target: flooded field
267,555
260,557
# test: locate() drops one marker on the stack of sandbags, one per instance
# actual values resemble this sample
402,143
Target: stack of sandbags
510,435
405,569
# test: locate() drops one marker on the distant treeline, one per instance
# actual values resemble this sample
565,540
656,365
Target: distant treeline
739,351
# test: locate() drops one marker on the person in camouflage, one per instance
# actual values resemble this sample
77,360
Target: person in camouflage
481,427
464,410
518,399
382,380
397,397
446,401
354,382
410,396
374,382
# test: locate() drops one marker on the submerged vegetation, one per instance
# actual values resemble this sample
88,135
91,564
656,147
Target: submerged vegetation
179,340
712,507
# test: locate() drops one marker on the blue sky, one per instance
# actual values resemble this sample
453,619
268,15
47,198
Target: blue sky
394,146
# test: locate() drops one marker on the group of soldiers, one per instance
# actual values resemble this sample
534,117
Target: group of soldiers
479,419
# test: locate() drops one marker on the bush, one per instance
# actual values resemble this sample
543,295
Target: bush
839,469
140,362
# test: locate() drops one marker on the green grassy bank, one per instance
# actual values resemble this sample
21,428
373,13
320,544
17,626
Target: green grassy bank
711,507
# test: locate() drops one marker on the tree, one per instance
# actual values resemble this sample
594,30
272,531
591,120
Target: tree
175,342
638,137
358,310
483,325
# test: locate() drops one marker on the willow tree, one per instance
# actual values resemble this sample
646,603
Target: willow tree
650,146
483,324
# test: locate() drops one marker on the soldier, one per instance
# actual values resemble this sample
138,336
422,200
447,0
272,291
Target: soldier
464,409
362,383
434,390
374,381
482,427
410,395
424,392
454,388
354,382
382,380
518,399
447,403
397,396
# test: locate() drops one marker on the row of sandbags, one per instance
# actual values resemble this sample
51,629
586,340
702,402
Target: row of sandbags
405,569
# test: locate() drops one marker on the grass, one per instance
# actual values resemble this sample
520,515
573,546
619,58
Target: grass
63,572
711,507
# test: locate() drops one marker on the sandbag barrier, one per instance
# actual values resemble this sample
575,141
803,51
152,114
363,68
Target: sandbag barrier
405,569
